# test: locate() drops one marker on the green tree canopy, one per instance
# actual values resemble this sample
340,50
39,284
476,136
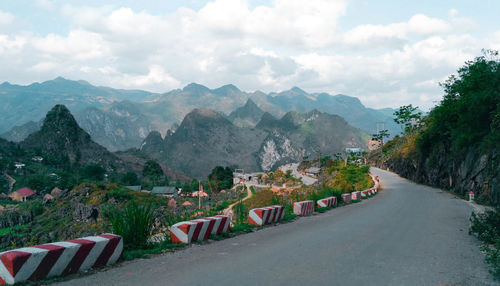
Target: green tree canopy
152,169
469,114
221,178
408,117
93,172
130,179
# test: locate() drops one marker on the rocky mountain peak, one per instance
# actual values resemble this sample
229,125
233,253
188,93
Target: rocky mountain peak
196,89
153,143
61,135
298,90
59,120
226,89
247,115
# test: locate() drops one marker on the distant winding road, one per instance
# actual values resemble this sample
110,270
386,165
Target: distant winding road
407,234
293,167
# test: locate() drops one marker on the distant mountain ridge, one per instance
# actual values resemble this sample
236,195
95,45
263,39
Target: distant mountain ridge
206,138
140,112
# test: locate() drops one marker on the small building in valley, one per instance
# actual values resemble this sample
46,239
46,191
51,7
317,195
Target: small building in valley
22,195
312,172
134,188
165,191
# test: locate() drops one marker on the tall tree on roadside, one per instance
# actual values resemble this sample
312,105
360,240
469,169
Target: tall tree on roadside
408,118
381,135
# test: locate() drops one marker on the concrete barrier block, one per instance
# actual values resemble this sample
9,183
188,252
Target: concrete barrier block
347,198
182,232
327,202
266,215
60,258
303,207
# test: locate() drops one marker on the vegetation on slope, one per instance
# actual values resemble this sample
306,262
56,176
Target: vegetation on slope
487,228
454,146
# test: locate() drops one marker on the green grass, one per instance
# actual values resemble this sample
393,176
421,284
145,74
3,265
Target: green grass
134,223
13,229
158,248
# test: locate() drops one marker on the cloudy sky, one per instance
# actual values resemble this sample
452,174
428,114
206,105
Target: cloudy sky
387,53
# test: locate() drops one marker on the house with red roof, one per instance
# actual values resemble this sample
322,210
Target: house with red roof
22,195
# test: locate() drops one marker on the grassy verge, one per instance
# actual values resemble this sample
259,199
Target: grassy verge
487,228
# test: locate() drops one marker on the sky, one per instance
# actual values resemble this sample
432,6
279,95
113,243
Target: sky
386,53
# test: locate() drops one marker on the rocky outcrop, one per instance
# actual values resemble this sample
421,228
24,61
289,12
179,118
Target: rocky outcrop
14,217
153,144
83,213
276,150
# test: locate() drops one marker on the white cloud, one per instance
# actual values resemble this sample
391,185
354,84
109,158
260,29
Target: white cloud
286,43
424,26
495,41
46,4
79,45
5,19
155,76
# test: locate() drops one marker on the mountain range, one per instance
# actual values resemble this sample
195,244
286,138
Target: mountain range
207,138
121,119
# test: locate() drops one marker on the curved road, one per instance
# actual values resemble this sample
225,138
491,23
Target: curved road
406,235
305,179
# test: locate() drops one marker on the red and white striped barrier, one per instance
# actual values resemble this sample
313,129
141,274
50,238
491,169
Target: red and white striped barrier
198,229
303,208
347,198
60,258
327,202
364,194
266,215
356,195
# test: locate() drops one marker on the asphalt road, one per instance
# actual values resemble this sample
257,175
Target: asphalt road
293,166
407,234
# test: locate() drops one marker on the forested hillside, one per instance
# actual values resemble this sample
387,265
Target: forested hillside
455,147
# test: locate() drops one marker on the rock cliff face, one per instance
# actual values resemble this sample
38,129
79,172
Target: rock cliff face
472,170
121,127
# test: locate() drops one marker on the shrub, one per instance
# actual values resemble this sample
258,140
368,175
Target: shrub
134,223
119,195
486,225
487,228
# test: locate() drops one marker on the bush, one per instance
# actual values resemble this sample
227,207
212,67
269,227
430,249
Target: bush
134,223
487,228
486,225
35,207
119,195
94,172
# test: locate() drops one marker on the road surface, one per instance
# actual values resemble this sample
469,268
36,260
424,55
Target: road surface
407,234
293,166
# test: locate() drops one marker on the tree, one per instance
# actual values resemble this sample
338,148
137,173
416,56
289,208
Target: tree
130,179
93,172
408,117
469,113
221,178
153,171
380,135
